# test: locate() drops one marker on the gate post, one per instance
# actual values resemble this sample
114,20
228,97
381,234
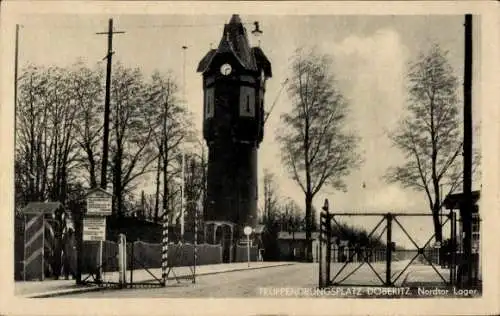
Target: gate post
320,261
328,227
324,249
122,260
132,259
328,247
453,248
388,251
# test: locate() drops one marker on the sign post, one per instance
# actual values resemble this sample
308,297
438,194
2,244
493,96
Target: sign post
94,223
248,230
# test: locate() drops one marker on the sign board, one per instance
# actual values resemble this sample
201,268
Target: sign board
247,230
245,242
94,228
99,203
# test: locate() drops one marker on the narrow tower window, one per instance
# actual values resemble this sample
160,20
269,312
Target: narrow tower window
209,103
247,100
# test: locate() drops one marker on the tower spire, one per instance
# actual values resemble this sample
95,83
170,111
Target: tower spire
235,19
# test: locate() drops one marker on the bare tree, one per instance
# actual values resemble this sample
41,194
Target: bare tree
194,189
272,218
130,147
167,120
271,198
429,134
144,208
46,153
293,218
59,133
157,183
316,148
62,121
33,155
88,96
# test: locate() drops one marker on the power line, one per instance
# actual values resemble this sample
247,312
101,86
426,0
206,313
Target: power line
45,26
267,114
175,25
218,25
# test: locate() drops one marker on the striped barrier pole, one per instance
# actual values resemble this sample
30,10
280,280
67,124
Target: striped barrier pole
24,247
198,208
164,249
43,248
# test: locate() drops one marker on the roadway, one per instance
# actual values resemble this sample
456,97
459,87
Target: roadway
266,282
223,285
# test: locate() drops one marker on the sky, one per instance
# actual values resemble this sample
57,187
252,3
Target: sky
370,54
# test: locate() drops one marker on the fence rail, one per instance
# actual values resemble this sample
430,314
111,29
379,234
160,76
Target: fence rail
148,256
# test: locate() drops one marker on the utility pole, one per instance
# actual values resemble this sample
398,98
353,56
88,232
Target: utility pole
184,48
105,142
183,185
16,62
467,205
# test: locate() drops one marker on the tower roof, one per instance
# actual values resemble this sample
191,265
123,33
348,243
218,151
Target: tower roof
234,41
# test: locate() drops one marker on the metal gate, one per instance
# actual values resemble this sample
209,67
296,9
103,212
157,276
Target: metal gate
374,261
134,264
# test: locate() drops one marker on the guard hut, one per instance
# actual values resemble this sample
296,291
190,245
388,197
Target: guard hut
454,202
44,224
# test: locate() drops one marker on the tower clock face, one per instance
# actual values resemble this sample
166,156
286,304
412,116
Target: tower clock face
226,69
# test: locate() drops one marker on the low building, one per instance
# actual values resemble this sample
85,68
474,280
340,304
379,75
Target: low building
293,245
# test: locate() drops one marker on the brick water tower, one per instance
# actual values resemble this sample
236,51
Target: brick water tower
234,76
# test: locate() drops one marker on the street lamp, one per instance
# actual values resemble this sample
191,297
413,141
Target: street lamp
184,48
257,32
